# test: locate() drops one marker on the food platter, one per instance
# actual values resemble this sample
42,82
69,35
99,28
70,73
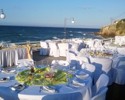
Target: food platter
42,77
100,54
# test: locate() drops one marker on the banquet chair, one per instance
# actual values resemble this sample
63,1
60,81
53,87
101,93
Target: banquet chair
72,59
98,44
60,64
101,95
103,65
63,48
71,56
74,47
121,51
25,62
54,50
89,68
44,50
83,59
101,82
119,71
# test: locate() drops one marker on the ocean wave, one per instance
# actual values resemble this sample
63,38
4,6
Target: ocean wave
22,34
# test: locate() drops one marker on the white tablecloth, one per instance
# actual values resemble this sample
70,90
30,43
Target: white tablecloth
9,57
33,92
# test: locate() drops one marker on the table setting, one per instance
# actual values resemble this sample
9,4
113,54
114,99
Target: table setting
40,82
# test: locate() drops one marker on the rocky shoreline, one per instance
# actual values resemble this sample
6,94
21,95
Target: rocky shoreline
115,29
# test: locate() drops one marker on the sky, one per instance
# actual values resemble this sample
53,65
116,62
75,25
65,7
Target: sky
52,13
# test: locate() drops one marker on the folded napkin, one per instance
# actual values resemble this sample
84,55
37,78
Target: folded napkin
4,79
48,89
17,87
8,71
77,84
12,71
82,76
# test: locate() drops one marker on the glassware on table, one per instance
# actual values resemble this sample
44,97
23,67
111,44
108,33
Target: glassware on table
68,78
44,63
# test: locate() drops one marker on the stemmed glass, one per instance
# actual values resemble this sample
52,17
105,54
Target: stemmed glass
18,68
44,63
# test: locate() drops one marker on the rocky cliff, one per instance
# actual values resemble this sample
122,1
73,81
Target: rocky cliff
115,29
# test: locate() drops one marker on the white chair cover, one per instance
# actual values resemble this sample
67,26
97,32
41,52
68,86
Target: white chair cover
74,47
45,48
63,48
103,65
60,64
71,56
121,51
101,95
119,71
120,40
54,50
83,59
101,82
98,44
25,62
89,68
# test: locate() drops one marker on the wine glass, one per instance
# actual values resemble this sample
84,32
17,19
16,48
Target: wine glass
44,63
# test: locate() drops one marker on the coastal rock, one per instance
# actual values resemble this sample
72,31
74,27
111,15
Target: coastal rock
115,29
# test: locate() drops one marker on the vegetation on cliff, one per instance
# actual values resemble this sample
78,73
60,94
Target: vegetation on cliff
115,29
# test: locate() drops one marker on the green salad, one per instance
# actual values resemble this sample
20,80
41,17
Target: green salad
42,76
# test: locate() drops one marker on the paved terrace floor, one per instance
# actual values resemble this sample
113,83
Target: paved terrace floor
115,91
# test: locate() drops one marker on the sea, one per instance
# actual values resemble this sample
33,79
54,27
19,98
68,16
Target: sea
15,34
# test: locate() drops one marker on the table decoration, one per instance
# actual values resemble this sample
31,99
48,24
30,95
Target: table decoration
99,54
42,77
17,87
4,79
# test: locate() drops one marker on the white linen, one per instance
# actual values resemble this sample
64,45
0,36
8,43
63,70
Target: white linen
54,50
101,95
44,50
9,57
119,71
60,64
121,50
63,48
101,82
103,65
89,68
35,92
120,40
25,62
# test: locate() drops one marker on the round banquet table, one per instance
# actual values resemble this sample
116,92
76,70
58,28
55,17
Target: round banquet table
64,91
